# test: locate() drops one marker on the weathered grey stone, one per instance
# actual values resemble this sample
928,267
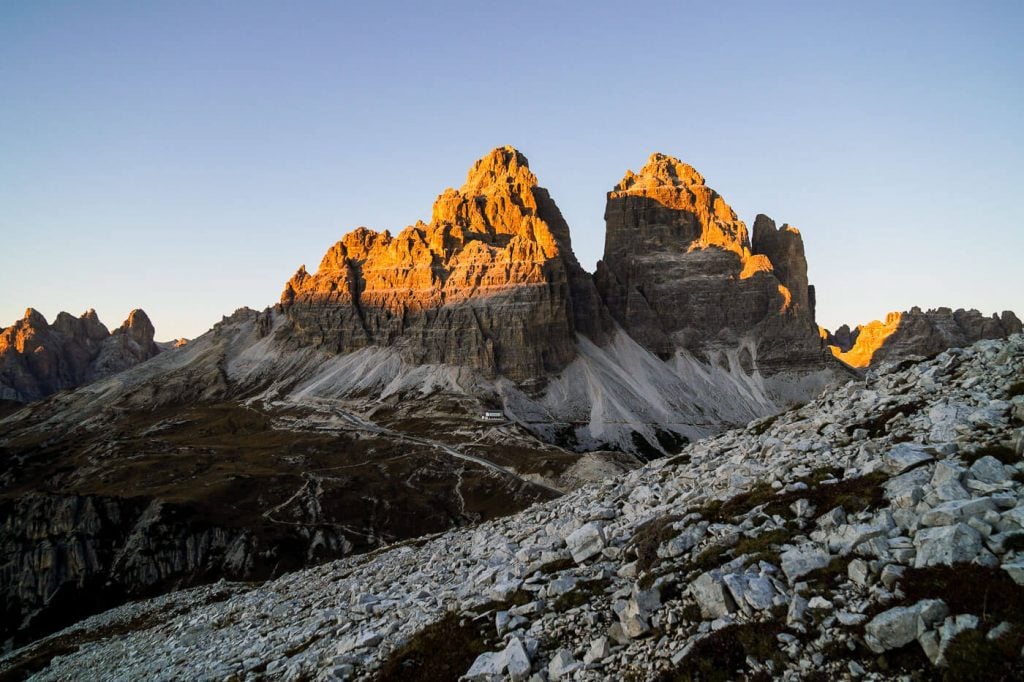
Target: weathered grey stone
562,664
1015,569
956,510
599,650
586,541
946,545
988,469
845,539
891,629
929,613
487,666
858,571
832,518
516,661
800,561
712,596
760,593
904,456
906,490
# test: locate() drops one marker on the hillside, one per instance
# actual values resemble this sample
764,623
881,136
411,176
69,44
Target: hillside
877,529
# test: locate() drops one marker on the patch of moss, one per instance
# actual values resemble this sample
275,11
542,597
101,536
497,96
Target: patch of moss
830,575
987,592
876,425
691,612
723,511
1001,452
440,652
763,547
582,594
557,565
648,537
972,657
759,427
852,494
722,655
1015,389
908,661
1014,542
822,474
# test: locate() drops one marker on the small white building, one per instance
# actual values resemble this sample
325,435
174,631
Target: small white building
494,416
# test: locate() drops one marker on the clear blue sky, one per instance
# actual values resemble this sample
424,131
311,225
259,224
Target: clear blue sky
187,157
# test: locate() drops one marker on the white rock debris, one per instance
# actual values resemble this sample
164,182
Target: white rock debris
805,530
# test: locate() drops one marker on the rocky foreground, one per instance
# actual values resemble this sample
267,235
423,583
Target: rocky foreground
875,533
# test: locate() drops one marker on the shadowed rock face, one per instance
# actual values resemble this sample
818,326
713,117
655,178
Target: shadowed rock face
490,283
916,333
38,359
679,272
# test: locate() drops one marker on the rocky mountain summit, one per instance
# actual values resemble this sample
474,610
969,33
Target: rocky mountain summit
688,323
680,273
914,333
38,359
875,533
491,283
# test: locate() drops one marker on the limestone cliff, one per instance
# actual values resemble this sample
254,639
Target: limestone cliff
38,359
490,283
914,333
679,272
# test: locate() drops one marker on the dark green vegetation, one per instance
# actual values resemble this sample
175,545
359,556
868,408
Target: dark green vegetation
853,495
876,424
722,655
972,657
1003,453
583,593
648,537
988,593
223,490
440,652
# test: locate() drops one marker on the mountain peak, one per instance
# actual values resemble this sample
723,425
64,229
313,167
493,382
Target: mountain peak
661,170
34,318
504,170
138,326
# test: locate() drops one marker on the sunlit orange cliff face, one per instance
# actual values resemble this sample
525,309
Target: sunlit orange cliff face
870,337
491,282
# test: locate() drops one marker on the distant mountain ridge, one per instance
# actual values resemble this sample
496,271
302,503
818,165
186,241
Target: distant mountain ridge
38,359
916,333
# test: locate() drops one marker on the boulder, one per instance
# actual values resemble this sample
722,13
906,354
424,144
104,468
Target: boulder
799,561
586,541
946,545
891,629
904,456
712,595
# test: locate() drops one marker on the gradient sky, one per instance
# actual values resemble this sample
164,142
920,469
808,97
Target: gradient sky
187,157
